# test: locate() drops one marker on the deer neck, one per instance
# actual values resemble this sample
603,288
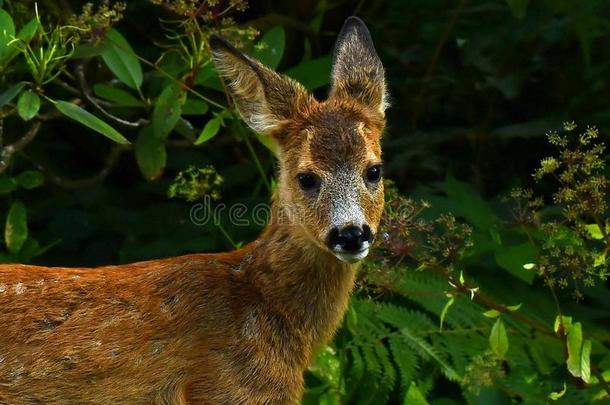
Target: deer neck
303,284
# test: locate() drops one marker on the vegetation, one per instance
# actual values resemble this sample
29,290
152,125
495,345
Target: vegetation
489,283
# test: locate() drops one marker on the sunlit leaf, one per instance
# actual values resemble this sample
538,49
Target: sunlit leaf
579,352
498,339
414,396
122,60
28,105
445,310
16,228
594,231
558,394
492,313
89,120
209,131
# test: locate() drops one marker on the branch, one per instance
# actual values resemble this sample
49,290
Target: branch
86,91
73,184
7,152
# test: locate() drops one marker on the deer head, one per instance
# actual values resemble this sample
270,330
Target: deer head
329,151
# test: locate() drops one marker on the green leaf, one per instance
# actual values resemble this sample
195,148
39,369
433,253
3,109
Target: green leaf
10,93
118,96
327,367
270,48
492,313
567,323
168,109
150,154
312,74
90,121
554,396
445,310
579,353
16,228
518,7
7,32
414,396
512,259
514,308
209,131
194,107
28,105
30,179
498,339
7,185
25,35
594,231
122,60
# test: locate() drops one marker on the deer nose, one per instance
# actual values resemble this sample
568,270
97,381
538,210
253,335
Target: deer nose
350,239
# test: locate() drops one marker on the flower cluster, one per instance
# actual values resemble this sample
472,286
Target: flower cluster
195,183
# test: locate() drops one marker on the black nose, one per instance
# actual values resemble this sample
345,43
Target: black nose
349,238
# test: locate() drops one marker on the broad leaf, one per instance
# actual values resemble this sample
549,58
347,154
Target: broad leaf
30,179
10,93
16,228
25,35
7,33
150,154
194,107
90,121
7,184
168,109
312,74
270,48
116,95
209,131
28,105
498,339
579,353
122,60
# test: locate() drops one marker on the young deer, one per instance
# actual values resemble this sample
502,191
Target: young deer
229,328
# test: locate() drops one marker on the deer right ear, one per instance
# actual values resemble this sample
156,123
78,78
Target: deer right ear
263,98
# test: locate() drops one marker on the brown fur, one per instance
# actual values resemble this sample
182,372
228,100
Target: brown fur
230,328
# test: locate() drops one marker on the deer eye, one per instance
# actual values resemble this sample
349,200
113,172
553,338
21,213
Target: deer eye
308,181
373,174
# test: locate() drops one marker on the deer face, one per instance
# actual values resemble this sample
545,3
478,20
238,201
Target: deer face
329,152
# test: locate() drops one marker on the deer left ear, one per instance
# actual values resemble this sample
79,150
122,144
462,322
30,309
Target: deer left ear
357,71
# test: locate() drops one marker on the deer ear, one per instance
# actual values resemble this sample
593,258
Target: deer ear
263,98
357,71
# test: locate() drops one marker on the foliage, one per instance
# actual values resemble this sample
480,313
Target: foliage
480,291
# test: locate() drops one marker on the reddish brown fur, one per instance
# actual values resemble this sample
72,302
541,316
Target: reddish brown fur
231,328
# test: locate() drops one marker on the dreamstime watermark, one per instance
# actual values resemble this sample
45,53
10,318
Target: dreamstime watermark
238,214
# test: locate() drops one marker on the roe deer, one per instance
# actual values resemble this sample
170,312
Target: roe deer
228,328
